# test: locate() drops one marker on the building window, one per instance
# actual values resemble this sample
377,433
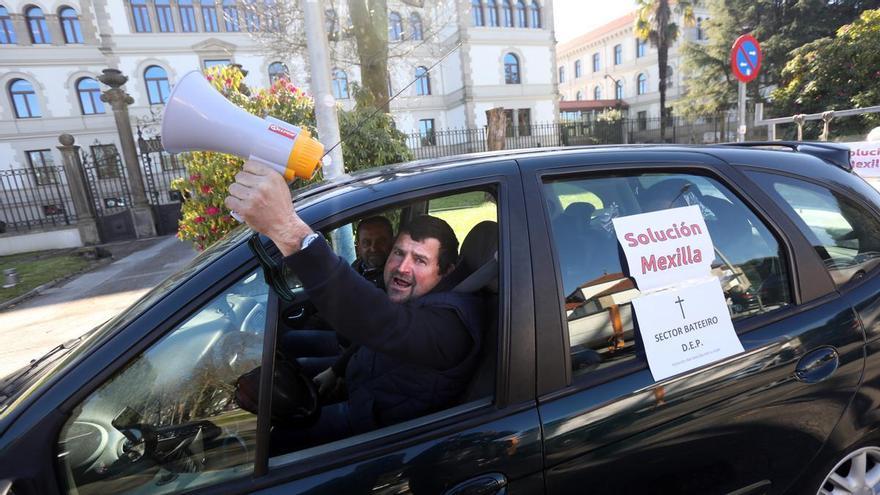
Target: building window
209,16
521,19
492,9
642,120
597,93
426,131
618,90
89,94
579,96
423,81
187,16
536,14
70,26
511,69
641,48
106,160
669,78
163,15
42,165
562,74
251,16
340,84
273,24
214,62
618,54
596,66
416,31
331,23
699,28
157,84
524,121
24,99
141,16
277,71
507,13
642,84
37,25
395,27
578,69
230,15
7,30
477,12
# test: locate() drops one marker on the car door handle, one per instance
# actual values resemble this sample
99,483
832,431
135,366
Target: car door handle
817,365
485,484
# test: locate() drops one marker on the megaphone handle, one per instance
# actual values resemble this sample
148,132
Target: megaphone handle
253,158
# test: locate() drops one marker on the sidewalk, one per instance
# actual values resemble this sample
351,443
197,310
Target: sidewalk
68,310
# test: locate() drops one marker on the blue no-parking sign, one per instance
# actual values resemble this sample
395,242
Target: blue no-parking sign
745,58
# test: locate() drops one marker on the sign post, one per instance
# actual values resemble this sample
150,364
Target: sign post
745,62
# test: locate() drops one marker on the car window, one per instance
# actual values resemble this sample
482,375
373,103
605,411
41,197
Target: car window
597,290
845,235
168,422
314,344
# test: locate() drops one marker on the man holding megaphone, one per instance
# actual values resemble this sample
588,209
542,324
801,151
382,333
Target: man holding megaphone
418,339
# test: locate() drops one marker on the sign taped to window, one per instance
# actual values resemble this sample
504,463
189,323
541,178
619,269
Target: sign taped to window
865,158
685,327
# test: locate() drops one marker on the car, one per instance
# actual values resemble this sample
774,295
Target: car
564,399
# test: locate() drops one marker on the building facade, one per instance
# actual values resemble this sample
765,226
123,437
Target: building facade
497,53
609,67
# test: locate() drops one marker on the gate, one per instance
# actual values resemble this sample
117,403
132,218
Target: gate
160,168
107,187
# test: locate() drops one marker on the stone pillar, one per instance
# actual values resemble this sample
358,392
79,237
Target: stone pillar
76,184
119,100
55,31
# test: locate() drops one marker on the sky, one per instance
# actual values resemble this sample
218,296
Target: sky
576,17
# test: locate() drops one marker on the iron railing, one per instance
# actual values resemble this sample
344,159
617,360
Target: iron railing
34,198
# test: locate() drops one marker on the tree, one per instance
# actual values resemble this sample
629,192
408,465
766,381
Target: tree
835,73
654,23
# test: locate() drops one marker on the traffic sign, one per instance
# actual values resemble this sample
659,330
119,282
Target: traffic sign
745,58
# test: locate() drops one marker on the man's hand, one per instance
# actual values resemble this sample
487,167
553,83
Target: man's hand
262,198
326,381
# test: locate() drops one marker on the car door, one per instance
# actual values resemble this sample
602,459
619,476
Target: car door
745,424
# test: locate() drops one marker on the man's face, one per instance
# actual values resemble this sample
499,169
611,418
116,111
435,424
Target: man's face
412,269
374,244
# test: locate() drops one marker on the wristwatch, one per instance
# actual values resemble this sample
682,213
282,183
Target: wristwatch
308,240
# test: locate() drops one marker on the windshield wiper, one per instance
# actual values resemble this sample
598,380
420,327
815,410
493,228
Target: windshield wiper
10,384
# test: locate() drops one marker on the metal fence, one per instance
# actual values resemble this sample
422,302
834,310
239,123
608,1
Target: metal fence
34,198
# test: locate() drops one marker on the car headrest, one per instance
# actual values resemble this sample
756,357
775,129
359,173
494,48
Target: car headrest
580,209
669,193
478,259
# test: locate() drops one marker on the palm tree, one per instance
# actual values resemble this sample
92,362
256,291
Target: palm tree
654,23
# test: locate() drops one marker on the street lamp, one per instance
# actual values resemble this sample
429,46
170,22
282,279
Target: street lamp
616,85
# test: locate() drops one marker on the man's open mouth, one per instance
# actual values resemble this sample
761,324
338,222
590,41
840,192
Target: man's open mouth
400,283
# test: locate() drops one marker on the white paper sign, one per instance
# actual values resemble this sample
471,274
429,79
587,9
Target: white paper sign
865,158
666,247
685,328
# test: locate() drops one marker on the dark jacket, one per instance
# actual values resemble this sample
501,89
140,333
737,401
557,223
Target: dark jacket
415,357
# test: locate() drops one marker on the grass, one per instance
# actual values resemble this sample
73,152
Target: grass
38,268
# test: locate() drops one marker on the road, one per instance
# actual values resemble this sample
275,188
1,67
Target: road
38,324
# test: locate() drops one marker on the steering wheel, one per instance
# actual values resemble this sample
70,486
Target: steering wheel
253,317
294,394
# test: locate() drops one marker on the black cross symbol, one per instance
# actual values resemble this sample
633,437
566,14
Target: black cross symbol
679,301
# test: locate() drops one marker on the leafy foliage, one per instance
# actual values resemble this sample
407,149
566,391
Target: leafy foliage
205,219
835,74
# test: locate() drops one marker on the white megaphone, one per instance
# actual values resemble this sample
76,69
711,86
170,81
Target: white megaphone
198,118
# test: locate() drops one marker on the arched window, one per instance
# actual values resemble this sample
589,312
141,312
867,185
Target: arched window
89,94
492,10
699,28
562,74
395,27
24,99
157,84
536,14
277,71
37,26
209,16
163,15
507,13
340,84
331,23
618,90
230,14
578,69
416,31
7,30
597,93
141,16
579,96
521,19
642,84
423,81
70,25
477,12
511,69
187,16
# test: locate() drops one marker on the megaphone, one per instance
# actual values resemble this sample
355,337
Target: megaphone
199,118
